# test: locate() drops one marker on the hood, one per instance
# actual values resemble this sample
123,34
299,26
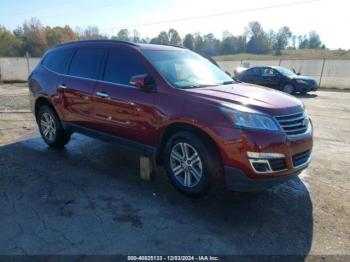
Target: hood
260,98
302,77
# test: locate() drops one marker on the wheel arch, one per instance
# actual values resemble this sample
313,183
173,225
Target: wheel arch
171,129
40,102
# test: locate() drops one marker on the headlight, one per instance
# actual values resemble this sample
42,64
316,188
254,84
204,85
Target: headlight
244,118
300,81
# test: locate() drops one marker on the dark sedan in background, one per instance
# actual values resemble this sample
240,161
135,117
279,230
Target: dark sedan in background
279,78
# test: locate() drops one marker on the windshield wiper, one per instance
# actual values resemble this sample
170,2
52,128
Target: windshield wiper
229,82
197,86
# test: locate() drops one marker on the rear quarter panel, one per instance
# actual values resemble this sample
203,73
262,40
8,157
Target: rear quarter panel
42,83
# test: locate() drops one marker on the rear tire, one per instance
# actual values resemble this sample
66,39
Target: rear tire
50,128
192,164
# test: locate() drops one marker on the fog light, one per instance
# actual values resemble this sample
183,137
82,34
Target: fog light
261,167
265,163
258,155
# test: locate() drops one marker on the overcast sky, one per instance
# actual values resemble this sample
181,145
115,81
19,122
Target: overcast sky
330,18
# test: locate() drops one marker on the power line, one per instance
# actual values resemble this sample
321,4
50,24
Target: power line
213,15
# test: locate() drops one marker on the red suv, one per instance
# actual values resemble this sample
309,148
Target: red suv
176,107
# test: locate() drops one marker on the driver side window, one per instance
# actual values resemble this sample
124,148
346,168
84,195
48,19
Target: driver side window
122,65
269,72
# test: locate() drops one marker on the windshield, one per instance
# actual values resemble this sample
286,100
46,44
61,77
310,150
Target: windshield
284,71
186,69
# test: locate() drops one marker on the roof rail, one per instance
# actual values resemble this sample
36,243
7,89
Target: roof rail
179,46
97,41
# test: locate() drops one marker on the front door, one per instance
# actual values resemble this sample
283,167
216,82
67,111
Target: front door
121,109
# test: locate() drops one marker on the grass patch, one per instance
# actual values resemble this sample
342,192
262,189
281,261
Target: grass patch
13,81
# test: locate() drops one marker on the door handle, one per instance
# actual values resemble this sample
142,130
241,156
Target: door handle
62,86
102,94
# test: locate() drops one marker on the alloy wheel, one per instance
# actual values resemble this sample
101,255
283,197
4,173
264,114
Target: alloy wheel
186,164
48,127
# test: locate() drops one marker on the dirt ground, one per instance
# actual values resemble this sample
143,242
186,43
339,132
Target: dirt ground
88,198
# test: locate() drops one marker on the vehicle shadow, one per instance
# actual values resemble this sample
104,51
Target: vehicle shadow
307,95
277,221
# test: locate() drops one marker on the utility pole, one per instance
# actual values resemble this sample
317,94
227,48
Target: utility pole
319,83
28,67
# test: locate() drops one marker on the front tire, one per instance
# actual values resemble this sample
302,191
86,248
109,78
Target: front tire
192,164
289,89
50,128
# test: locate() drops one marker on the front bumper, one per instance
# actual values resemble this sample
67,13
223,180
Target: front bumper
305,88
237,180
240,172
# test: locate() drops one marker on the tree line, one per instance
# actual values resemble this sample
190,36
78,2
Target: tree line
33,39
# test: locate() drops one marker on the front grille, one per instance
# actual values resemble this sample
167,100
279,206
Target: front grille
301,158
278,164
294,124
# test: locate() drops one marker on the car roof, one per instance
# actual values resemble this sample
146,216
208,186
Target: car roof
105,43
266,66
260,67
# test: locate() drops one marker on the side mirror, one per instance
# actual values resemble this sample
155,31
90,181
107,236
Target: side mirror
298,73
145,81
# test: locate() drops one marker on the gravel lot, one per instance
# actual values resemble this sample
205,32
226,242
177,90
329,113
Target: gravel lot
89,199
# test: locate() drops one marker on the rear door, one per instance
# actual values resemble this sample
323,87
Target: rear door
120,108
53,67
78,85
252,76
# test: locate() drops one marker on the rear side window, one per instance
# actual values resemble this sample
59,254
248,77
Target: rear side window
58,61
86,62
121,66
254,72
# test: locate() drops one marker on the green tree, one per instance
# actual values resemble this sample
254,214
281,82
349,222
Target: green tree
232,44
211,45
162,39
199,43
314,40
90,32
189,42
174,37
227,44
303,42
123,35
136,37
58,35
281,39
258,42
33,35
311,41
10,45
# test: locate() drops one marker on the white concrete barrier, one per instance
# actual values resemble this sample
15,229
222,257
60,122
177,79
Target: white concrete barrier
328,73
16,68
